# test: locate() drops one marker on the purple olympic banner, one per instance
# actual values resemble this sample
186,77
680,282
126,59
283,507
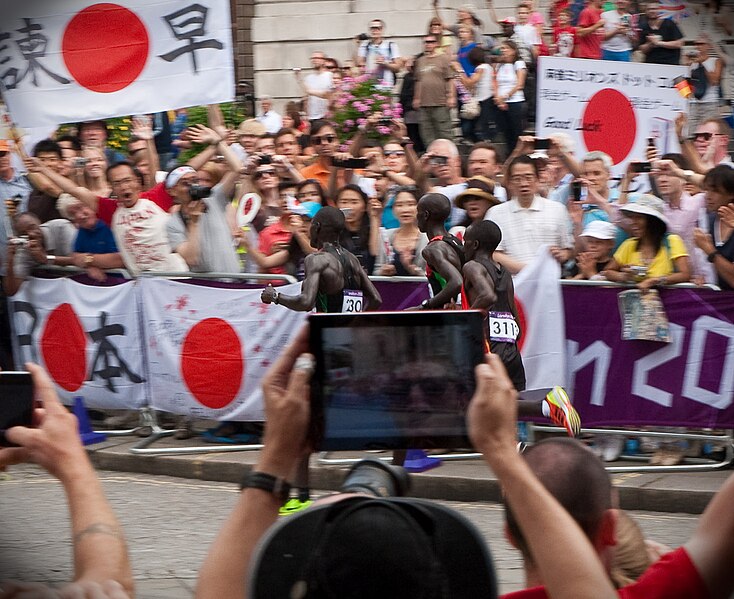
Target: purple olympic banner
401,294
687,382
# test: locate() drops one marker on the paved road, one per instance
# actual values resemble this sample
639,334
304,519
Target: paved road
170,522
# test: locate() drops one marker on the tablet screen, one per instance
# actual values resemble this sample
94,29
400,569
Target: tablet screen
393,380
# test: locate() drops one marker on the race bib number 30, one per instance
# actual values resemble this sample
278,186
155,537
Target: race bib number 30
353,301
502,327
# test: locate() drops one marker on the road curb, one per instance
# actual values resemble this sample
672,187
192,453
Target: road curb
466,482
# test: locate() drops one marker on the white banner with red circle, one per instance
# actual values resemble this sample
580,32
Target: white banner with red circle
539,302
87,338
95,60
208,349
614,107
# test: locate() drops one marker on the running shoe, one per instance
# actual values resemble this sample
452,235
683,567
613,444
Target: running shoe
293,505
562,412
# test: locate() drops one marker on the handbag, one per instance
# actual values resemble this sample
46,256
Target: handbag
470,109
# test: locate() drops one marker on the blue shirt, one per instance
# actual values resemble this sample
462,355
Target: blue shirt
463,57
98,240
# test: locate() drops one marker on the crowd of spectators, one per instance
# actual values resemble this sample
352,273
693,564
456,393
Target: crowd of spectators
244,202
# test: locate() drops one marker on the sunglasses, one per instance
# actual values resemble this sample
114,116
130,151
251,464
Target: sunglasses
375,26
270,172
394,153
429,41
332,68
324,139
705,135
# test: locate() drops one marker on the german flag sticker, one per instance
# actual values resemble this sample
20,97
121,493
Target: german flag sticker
683,86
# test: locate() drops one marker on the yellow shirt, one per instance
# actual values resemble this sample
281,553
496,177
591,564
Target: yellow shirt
662,264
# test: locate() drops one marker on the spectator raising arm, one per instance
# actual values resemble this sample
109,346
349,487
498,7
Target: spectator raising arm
491,423
66,185
100,552
285,392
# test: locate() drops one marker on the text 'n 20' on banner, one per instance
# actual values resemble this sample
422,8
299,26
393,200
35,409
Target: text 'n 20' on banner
78,60
209,349
86,337
613,107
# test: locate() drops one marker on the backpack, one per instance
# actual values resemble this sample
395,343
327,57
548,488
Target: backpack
699,81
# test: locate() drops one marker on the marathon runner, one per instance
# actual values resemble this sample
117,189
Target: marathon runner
488,287
334,282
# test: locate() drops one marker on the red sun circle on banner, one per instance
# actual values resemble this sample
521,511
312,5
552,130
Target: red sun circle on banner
523,322
105,47
212,362
64,348
609,124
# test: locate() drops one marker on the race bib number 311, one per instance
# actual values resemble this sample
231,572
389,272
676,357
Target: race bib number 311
353,301
502,327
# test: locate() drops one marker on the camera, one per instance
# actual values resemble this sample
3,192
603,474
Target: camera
362,37
199,192
21,241
374,477
542,143
264,159
80,162
438,160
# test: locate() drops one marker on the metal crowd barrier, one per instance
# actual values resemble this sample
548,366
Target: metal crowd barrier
147,415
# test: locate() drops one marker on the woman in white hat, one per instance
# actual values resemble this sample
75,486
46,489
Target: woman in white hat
652,257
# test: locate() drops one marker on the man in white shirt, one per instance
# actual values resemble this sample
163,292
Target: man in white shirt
317,86
378,56
529,221
618,33
139,227
272,120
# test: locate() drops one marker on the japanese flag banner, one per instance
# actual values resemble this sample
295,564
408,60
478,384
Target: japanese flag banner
209,348
78,60
540,309
86,337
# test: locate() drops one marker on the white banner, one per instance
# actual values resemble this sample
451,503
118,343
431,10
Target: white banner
79,60
540,306
208,349
610,106
87,338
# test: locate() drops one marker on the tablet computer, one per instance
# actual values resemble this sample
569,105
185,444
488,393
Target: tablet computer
393,380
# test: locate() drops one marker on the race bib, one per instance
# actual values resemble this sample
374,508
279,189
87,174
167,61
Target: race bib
353,301
502,327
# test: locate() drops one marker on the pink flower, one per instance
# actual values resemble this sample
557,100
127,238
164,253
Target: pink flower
382,130
349,123
361,121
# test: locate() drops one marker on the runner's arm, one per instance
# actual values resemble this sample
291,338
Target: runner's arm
441,264
313,265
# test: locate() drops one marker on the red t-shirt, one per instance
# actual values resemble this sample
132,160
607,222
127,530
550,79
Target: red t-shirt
673,576
589,46
269,236
564,39
158,195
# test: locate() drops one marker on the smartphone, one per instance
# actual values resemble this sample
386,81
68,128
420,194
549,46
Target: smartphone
578,191
350,163
16,402
542,143
385,122
642,167
393,380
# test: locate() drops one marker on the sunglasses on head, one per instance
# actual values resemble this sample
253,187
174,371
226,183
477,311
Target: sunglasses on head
705,135
324,139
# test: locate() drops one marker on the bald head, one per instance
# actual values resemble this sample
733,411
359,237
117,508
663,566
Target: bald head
326,226
575,477
486,233
436,205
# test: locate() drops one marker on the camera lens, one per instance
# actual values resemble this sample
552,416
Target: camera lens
374,477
